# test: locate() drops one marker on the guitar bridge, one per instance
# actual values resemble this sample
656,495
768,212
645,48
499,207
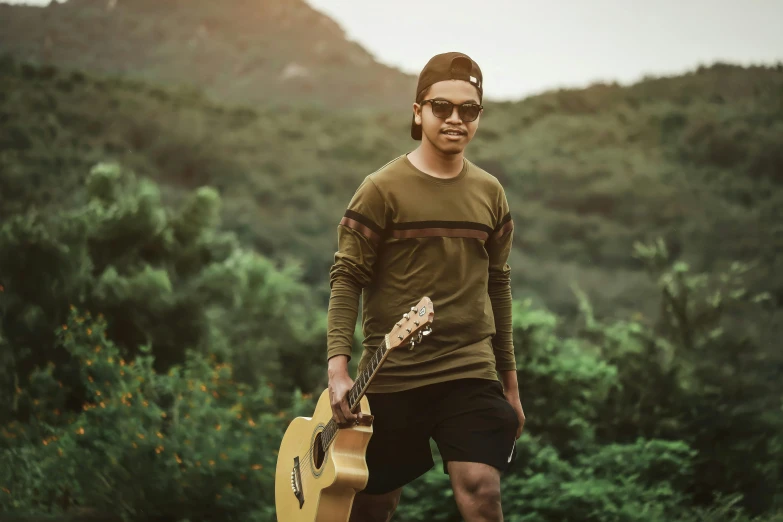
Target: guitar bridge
296,482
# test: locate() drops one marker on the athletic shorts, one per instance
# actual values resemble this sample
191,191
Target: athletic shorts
469,419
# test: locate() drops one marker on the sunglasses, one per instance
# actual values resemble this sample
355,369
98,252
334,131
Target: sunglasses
443,109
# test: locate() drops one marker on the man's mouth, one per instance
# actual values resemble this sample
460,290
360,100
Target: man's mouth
454,132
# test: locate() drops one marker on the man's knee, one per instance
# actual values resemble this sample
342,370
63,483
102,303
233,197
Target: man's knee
476,487
374,508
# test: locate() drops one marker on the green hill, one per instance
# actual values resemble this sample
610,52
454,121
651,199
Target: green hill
256,53
694,159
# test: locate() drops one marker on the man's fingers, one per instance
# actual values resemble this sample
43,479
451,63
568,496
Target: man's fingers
349,417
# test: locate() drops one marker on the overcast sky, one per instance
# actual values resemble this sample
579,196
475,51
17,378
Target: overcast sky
525,47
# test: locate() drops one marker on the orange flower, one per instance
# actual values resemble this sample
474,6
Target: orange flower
160,435
223,456
217,427
140,435
203,388
65,327
211,462
80,431
179,460
89,332
89,362
250,421
257,466
89,378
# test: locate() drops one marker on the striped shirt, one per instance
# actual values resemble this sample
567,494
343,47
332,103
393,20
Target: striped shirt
405,235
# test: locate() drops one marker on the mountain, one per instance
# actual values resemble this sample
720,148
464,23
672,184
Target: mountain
252,52
694,159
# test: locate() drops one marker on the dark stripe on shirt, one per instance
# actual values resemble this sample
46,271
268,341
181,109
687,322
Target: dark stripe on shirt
414,229
363,225
506,224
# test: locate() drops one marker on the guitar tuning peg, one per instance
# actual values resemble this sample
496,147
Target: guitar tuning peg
401,337
405,316
413,343
427,331
413,308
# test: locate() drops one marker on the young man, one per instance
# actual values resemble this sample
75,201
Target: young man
431,223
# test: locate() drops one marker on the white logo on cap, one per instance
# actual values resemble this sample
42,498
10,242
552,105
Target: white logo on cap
473,79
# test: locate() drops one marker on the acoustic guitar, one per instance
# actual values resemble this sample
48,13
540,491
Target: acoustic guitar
321,467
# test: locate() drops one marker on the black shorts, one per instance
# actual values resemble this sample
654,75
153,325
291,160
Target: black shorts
469,419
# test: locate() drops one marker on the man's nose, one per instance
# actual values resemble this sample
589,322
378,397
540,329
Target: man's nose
454,116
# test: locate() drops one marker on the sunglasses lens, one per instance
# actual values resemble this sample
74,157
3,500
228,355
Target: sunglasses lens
442,108
469,112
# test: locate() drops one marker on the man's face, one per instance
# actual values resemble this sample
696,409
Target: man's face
450,135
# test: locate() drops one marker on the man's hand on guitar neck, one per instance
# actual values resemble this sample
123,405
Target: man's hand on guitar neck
340,384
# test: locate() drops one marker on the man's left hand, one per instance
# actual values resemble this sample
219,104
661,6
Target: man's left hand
513,400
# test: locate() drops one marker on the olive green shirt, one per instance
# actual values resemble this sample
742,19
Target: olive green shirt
405,235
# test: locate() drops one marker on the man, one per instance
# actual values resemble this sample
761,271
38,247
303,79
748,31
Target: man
431,223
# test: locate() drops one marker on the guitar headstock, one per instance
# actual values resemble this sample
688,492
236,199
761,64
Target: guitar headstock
414,324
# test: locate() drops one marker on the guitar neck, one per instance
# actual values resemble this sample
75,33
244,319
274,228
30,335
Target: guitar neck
363,381
359,388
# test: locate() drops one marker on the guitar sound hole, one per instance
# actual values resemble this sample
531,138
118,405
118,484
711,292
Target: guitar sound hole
318,452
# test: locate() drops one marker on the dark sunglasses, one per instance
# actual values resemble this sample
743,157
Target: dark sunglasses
443,109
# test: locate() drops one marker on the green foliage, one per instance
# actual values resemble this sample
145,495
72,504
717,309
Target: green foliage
587,172
650,375
165,278
191,444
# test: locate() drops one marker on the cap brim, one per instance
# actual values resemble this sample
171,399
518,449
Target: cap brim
415,129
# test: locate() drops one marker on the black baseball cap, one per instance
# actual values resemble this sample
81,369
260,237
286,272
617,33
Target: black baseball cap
447,66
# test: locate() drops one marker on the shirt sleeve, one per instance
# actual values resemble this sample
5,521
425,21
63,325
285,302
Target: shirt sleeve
359,235
499,286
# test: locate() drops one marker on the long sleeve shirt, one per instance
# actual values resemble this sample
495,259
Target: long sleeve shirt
405,235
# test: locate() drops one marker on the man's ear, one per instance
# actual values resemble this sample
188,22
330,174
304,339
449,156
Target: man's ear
417,113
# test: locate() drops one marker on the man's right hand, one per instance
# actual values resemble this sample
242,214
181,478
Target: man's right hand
340,384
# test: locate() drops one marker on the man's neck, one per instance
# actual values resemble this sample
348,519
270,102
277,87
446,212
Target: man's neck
431,161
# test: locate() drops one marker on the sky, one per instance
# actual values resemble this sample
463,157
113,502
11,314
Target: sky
525,47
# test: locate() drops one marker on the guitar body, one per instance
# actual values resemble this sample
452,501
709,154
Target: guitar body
324,483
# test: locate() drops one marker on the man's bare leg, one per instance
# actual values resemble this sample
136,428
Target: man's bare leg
375,508
477,491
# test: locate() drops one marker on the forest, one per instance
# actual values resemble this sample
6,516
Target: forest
164,257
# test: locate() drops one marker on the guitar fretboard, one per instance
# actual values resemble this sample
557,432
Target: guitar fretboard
356,393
